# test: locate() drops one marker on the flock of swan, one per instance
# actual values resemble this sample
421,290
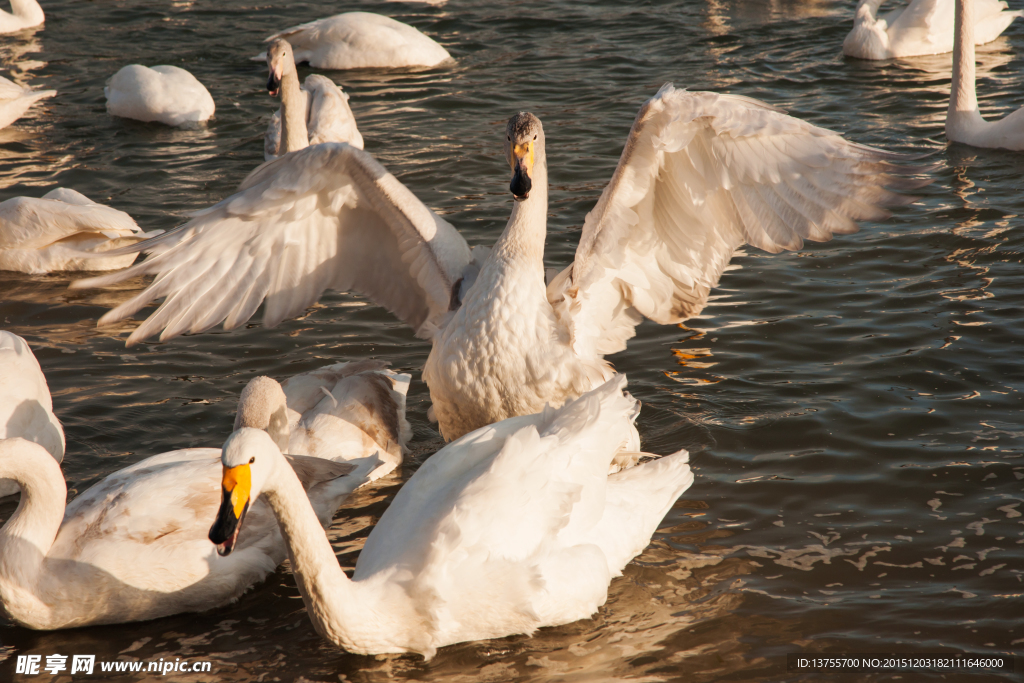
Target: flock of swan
543,494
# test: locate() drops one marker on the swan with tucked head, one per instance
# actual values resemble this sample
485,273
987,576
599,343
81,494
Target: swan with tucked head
24,14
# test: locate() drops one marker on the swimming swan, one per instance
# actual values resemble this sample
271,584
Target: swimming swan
40,235
701,175
511,528
923,27
26,409
16,100
317,112
166,94
135,546
24,14
360,40
964,122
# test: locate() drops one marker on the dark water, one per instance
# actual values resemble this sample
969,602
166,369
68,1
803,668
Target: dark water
853,410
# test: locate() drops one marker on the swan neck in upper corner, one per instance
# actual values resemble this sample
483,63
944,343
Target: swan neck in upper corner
527,227
962,96
28,10
27,536
294,134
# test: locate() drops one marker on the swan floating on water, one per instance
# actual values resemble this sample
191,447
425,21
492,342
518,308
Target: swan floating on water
40,235
317,112
26,409
360,40
923,27
511,528
964,122
24,14
135,546
701,175
167,94
16,100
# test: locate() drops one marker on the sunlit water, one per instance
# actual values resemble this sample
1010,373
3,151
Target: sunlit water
852,410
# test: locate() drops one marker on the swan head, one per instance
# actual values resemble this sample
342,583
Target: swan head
263,405
280,61
524,150
249,457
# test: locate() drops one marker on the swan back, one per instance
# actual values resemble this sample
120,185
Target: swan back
24,14
16,100
167,94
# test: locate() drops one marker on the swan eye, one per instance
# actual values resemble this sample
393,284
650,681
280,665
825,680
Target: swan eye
509,138
534,137
252,459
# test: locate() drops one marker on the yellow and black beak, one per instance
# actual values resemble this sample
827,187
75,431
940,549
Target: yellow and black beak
235,487
522,167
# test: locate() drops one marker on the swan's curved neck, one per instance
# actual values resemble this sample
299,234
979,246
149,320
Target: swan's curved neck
27,536
962,97
527,227
294,135
29,10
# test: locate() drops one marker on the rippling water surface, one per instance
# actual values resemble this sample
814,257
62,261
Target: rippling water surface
852,410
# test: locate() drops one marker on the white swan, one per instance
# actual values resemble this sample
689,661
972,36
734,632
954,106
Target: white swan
964,122
24,14
360,40
317,112
167,94
135,546
16,100
923,27
511,528
49,233
701,174
26,409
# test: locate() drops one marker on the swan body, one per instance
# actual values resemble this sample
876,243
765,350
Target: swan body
16,100
167,94
361,40
964,122
50,233
701,174
511,528
317,112
26,409
923,27
24,14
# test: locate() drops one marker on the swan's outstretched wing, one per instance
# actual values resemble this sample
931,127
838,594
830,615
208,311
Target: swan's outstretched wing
325,217
701,175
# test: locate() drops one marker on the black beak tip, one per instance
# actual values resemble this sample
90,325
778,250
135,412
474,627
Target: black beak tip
273,85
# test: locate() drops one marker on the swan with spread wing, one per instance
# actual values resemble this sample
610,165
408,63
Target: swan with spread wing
700,175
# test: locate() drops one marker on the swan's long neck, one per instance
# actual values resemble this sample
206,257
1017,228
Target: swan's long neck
524,235
293,113
962,96
29,10
27,536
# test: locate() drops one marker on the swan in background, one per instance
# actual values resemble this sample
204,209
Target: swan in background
40,235
317,112
338,412
360,40
511,528
24,14
701,174
135,546
166,94
923,27
15,100
26,409
964,122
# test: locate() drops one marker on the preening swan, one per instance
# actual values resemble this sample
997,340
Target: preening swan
26,409
24,14
164,93
135,546
50,233
317,112
964,122
360,40
16,100
923,27
701,174
511,528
